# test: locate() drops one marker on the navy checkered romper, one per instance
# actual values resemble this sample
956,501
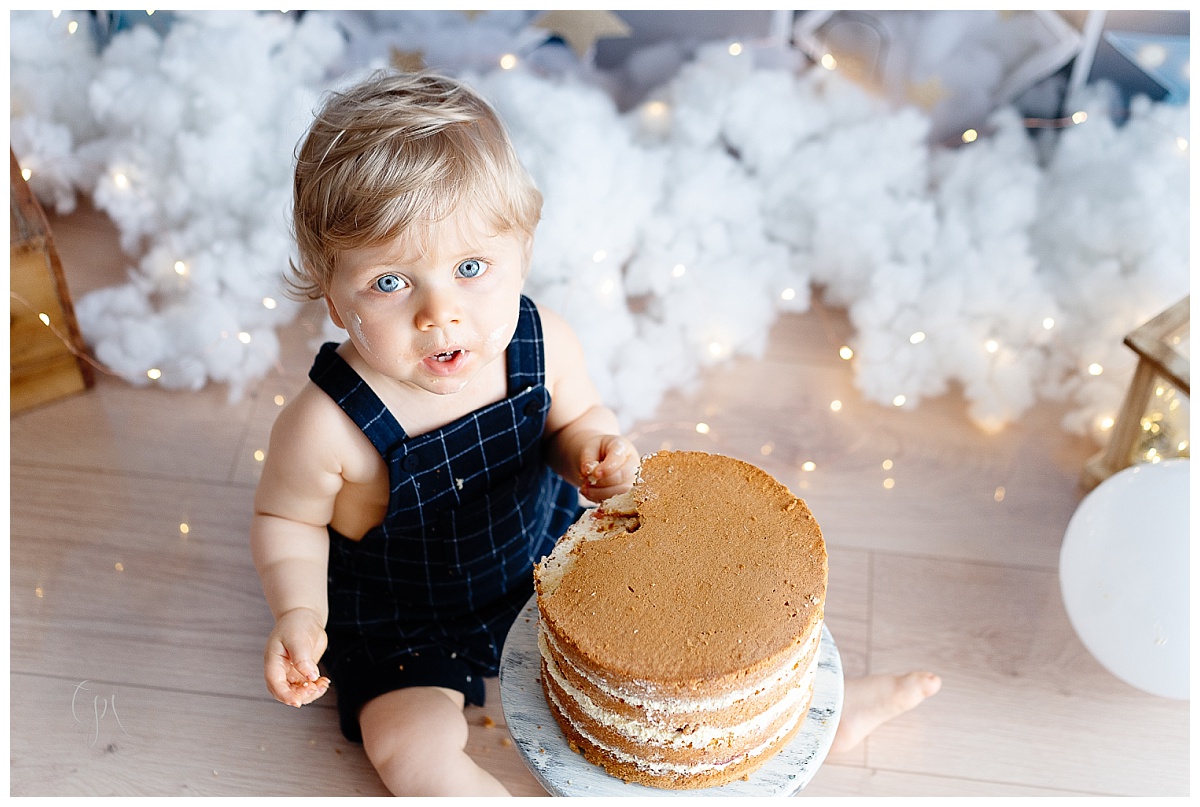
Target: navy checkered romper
427,597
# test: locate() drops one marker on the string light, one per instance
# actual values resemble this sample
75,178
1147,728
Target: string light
120,567
269,303
259,455
917,338
244,338
767,449
1048,323
809,466
1107,423
599,255
991,346
886,465
788,294
184,528
120,180
1181,143
735,49
279,400
970,136
999,494
1079,117
154,373
72,27
846,353
26,174
181,268
899,400
828,62
678,270
1095,369
836,406
889,483
703,428
508,61
45,318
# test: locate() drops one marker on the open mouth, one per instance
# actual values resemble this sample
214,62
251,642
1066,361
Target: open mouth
449,355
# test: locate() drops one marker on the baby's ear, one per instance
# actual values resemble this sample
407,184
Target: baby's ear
333,314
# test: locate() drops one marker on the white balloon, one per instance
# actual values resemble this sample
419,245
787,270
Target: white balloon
1124,575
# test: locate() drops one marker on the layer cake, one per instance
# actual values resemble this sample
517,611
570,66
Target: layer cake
680,622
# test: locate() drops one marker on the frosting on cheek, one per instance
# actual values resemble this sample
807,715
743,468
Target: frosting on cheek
496,341
357,328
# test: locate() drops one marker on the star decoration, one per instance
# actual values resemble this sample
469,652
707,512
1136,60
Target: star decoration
407,61
581,29
927,94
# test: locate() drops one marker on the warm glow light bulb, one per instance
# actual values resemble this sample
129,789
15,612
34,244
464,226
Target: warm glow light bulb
1095,369
72,27
788,294
917,338
836,406
886,465
26,174
899,400
678,270
715,348
703,428
1048,323
970,136
1079,117
244,338
828,62
991,346
809,466
735,49
1181,143
120,180
45,318
184,528
846,353
181,268
508,61
889,483
1106,423
154,373
279,400
259,455
269,303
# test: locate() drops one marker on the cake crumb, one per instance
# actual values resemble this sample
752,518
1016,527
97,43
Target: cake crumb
504,741
488,722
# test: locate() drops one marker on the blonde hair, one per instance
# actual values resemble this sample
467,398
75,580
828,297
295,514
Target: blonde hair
395,152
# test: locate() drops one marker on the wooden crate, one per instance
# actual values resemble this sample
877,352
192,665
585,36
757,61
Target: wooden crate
46,359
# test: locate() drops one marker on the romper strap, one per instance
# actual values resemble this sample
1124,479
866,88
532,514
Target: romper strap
526,357
342,382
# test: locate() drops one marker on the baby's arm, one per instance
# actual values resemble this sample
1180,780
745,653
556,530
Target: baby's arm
290,544
585,446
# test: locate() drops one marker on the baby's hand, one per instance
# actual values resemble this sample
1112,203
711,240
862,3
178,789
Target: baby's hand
608,466
290,661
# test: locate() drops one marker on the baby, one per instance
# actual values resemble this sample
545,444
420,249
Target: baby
436,454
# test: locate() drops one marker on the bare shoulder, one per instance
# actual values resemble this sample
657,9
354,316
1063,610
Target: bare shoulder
564,353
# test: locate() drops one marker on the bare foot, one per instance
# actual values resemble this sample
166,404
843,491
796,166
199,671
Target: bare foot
873,700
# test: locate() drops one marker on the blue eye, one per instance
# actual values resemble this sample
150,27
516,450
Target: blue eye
388,284
471,268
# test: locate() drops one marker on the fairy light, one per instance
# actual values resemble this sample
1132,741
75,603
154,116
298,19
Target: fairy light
917,338
886,465
608,286
1181,143
715,348
991,346
702,428
120,180
120,567
26,174
788,294
244,338
154,373
828,62
259,455
999,494
72,27
269,303
184,528
181,268
835,405
970,136
1095,369
55,14
599,255
809,466
508,61
677,270
766,449
45,318
846,353
280,400
735,49
656,109
899,400
1048,323
39,592
1107,423
1151,55
889,483
1079,117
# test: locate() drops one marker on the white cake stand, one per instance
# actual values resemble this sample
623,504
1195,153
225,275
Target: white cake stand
565,773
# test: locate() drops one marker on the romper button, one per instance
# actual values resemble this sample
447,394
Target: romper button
532,408
411,462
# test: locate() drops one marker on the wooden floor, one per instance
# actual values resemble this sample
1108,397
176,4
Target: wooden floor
136,646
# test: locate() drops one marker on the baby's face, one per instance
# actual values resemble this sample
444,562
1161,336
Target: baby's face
432,315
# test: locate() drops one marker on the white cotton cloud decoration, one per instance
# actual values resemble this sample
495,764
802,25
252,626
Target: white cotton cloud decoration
192,141
673,234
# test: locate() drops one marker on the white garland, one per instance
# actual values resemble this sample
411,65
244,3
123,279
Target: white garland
673,234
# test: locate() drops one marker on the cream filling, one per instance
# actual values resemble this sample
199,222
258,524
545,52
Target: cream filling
547,643
640,732
661,768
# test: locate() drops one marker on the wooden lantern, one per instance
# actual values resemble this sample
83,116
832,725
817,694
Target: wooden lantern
45,347
1152,424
